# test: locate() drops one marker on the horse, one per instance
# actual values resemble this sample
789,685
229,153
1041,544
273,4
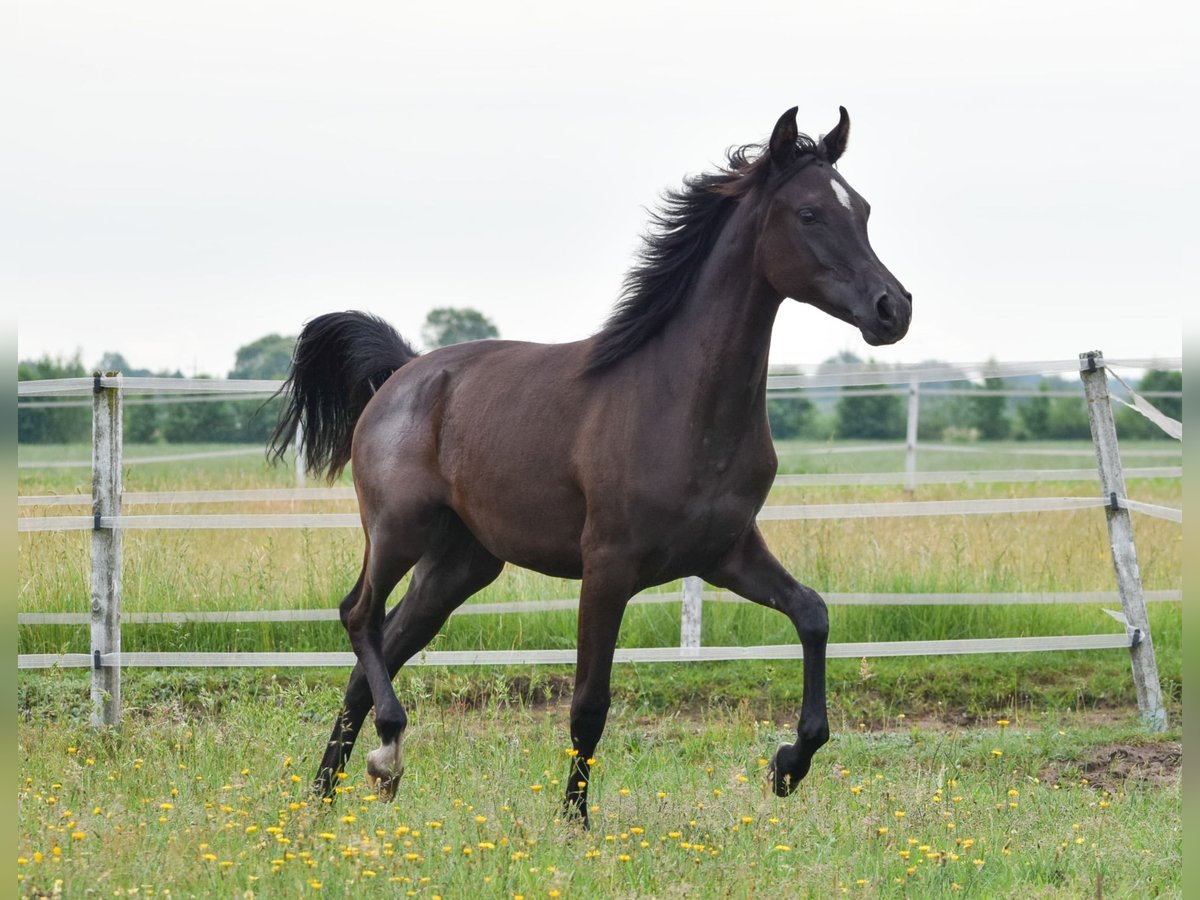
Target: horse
632,458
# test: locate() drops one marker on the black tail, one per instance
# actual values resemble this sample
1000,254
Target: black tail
340,360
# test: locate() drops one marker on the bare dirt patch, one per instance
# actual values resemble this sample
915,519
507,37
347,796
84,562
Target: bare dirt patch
1113,766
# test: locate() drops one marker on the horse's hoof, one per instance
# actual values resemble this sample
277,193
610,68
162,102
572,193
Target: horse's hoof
384,768
784,773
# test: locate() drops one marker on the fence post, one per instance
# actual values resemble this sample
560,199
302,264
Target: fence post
910,479
689,616
298,443
106,550
1120,535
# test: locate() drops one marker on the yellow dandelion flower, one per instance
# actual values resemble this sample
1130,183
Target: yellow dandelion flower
997,753
78,835
624,857
882,829
1003,723
782,848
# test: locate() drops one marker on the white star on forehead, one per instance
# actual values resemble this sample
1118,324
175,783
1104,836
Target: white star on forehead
842,194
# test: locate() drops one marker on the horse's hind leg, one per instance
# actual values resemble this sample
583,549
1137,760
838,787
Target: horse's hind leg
753,572
453,568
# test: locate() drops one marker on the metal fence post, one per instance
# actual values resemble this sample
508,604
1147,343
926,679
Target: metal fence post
689,616
106,550
910,479
1120,535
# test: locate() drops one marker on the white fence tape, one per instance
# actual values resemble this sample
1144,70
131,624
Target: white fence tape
901,509
767,514
978,476
1158,512
925,508
1042,451
306,495
834,375
567,657
1141,405
135,460
783,377
830,449
569,605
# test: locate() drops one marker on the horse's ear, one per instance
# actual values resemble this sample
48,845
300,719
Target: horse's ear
783,138
833,145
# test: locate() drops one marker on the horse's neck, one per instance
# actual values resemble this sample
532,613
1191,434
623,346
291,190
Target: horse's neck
717,345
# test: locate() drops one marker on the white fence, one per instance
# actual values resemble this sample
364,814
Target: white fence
107,521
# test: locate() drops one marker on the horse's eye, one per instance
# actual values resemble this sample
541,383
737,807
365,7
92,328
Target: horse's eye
807,216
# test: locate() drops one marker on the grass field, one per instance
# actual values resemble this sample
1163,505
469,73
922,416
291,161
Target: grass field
483,738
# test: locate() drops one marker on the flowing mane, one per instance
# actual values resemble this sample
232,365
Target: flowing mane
682,233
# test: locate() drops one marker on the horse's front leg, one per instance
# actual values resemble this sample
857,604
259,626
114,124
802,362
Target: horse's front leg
602,600
750,570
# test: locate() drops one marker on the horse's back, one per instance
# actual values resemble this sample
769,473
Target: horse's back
488,430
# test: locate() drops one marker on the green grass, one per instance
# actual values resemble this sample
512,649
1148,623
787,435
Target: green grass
204,791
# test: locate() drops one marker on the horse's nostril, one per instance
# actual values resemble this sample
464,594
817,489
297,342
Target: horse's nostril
883,308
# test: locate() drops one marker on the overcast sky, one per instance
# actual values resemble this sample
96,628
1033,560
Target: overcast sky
180,179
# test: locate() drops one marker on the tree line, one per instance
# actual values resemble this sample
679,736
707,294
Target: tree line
246,421
857,414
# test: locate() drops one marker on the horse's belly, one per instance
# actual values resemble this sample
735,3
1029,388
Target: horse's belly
539,534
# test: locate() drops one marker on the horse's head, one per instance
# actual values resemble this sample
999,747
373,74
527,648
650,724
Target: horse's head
813,245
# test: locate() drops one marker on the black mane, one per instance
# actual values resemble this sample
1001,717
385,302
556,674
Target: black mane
681,236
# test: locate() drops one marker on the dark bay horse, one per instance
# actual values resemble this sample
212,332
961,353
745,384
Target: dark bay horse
633,458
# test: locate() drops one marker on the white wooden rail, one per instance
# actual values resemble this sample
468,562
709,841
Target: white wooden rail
107,522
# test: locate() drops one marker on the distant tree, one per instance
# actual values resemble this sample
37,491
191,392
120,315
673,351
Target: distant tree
267,358
870,416
793,417
989,413
1067,419
450,325
1033,415
938,413
204,421
47,424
